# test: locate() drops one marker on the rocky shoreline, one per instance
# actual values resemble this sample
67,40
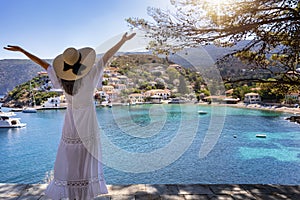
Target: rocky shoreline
295,119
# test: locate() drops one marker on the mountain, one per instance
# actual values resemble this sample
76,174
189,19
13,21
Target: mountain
16,71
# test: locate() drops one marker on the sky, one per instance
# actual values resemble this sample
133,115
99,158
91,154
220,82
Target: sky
46,28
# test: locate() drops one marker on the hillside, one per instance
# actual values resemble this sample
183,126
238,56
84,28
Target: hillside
138,73
16,71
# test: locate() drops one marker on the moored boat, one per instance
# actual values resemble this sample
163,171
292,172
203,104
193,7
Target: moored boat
7,114
261,135
9,122
202,112
29,110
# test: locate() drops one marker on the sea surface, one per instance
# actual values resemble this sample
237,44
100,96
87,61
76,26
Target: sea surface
164,144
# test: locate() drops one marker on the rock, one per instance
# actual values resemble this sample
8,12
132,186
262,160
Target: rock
294,118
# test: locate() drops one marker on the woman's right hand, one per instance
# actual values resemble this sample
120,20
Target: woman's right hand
13,48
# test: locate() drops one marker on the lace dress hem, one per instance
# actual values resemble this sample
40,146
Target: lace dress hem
83,189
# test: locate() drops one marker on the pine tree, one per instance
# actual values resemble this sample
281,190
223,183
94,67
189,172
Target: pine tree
271,27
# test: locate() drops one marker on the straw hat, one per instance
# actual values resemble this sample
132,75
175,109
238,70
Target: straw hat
74,64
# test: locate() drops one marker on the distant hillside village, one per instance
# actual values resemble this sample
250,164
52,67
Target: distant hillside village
139,79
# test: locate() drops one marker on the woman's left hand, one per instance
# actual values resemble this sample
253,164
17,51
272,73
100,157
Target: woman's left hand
129,37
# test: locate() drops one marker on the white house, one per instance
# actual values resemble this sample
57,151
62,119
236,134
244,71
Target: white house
252,98
292,98
165,94
136,98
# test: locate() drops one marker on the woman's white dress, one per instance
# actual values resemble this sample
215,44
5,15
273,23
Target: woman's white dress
78,172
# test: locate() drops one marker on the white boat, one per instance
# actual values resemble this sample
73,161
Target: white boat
260,135
16,110
8,122
29,110
104,103
202,112
7,114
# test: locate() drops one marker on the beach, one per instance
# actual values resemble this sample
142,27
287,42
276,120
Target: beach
294,111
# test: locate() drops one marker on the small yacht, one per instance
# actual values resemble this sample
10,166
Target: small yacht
202,112
261,135
6,121
7,114
29,110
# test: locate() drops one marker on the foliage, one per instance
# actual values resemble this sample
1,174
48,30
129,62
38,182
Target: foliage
239,92
29,93
275,91
273,27
14,72
173,74
182,88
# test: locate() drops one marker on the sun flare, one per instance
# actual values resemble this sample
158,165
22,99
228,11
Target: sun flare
219,2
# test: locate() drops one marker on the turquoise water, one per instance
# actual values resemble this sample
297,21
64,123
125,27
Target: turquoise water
237,156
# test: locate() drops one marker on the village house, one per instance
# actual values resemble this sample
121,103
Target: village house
114,81
156,99
136,98
119,87
113,96
101,96
165,94
292,98
252,98
110,72
123,79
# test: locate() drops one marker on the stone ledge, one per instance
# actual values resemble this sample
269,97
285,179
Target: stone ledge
165,191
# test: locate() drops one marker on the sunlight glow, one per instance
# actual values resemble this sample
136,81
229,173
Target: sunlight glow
219,2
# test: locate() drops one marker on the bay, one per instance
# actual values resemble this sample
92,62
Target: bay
161,144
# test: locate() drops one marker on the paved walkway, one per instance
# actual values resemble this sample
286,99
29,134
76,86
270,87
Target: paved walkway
173,192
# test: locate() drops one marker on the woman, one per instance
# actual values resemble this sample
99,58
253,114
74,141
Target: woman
78,172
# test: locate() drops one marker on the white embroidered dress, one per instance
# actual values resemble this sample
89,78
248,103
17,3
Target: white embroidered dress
78,172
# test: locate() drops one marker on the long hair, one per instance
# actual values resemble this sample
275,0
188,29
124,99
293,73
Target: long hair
71,87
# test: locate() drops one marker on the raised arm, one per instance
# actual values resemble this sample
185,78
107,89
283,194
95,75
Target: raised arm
32,57
115,48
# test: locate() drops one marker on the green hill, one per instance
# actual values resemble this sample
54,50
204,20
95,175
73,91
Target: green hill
16,71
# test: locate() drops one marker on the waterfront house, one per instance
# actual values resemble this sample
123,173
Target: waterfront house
136,98
292,98
112,96
252,98
165,94
101,96
156,99
55,102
